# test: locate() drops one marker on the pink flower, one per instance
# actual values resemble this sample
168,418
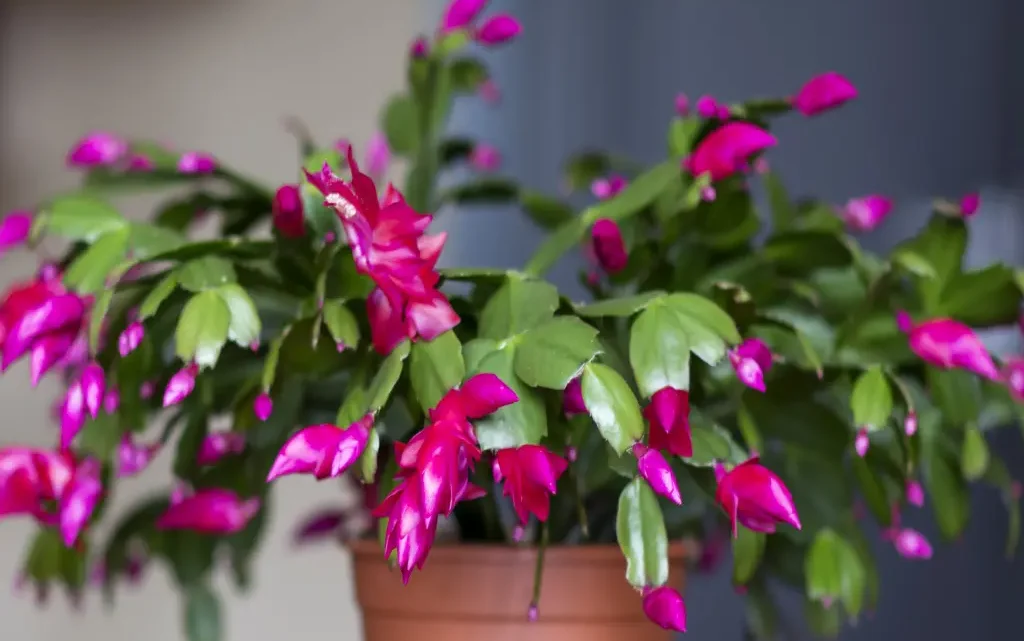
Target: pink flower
130,339
325,451
708,193
209,511
461,13
497,30
196,162
133,458
609,187
948,344
609,247
669,416
72,414
862,442
263,406
39,316
218,445
752,360
529,475
180,385
14,230
97,149
419,48
140,163
1013,374
728,150
969,205
822,93
910,423
485,158
915,493
320,525
682,105
378,156
866,213
76,503
910,544
287,212
572,398
754,496
94,388
664,606
707,107
654,469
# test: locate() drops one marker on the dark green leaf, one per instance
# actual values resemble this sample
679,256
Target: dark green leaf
436,367
871,400
244,328
89,272
400,122
97,315
801,252
368,459
202,329
612,405
100,437
387,377
873,489
452,150
473,274
711,443
974,457
640,529
619,307
204,273
521,304
487,191
553,353
521,423
783,212
547,212
941,244
202,614
982,298
299,354
747,549
156,296
467,74
341,323
637,195
584,168
81,217
947,493
659,350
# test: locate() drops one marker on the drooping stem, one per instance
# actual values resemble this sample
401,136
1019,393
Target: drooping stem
538,571
581,510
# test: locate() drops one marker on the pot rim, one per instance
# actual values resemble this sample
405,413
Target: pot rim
506,554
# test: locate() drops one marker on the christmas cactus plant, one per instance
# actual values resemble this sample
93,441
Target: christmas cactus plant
728,380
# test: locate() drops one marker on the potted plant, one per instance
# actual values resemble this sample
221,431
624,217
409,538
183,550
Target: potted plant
534,466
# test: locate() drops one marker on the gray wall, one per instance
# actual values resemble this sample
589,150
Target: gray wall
942,90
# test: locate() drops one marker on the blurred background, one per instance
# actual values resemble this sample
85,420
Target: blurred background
941,96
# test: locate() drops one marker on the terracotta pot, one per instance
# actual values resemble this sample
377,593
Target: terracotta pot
482,592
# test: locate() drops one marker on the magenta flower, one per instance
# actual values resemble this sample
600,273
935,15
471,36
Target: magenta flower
196,162
47,352
325,451
133,458
654,469
862,442
263,406
130,339
609,187
461,13
707,107
915,493
529,476
668,414
682,105
609,247
866,213
752,360
180,385
140,163
754,496
97,149
572,398
378,156
94,387
78,500
498,30
910,544
969,205
419,48
72,414
287,213
822,93
728,150
664,606
209,511
219,445
1013,374
485,158
14,230
51,487
910,423
949,344
37,310
328,523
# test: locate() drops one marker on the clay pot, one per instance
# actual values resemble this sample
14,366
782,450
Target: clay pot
482,592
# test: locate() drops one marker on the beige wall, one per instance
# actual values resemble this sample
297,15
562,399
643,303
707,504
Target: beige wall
212,74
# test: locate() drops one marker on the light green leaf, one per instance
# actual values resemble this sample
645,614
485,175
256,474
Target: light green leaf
545,211
711,443
638,194
436,367
208,272
368,459
521,423
640,529
659,350
400,122
707,313
622,307
270,365
974,457
341,323
202,614
156,296
835,572
564,238
913,262
81,217
202,329
612,405
552,354
148,240
871,400
245,325
747,550
474,352
97,315
387,377
89,272
682,133
520,304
